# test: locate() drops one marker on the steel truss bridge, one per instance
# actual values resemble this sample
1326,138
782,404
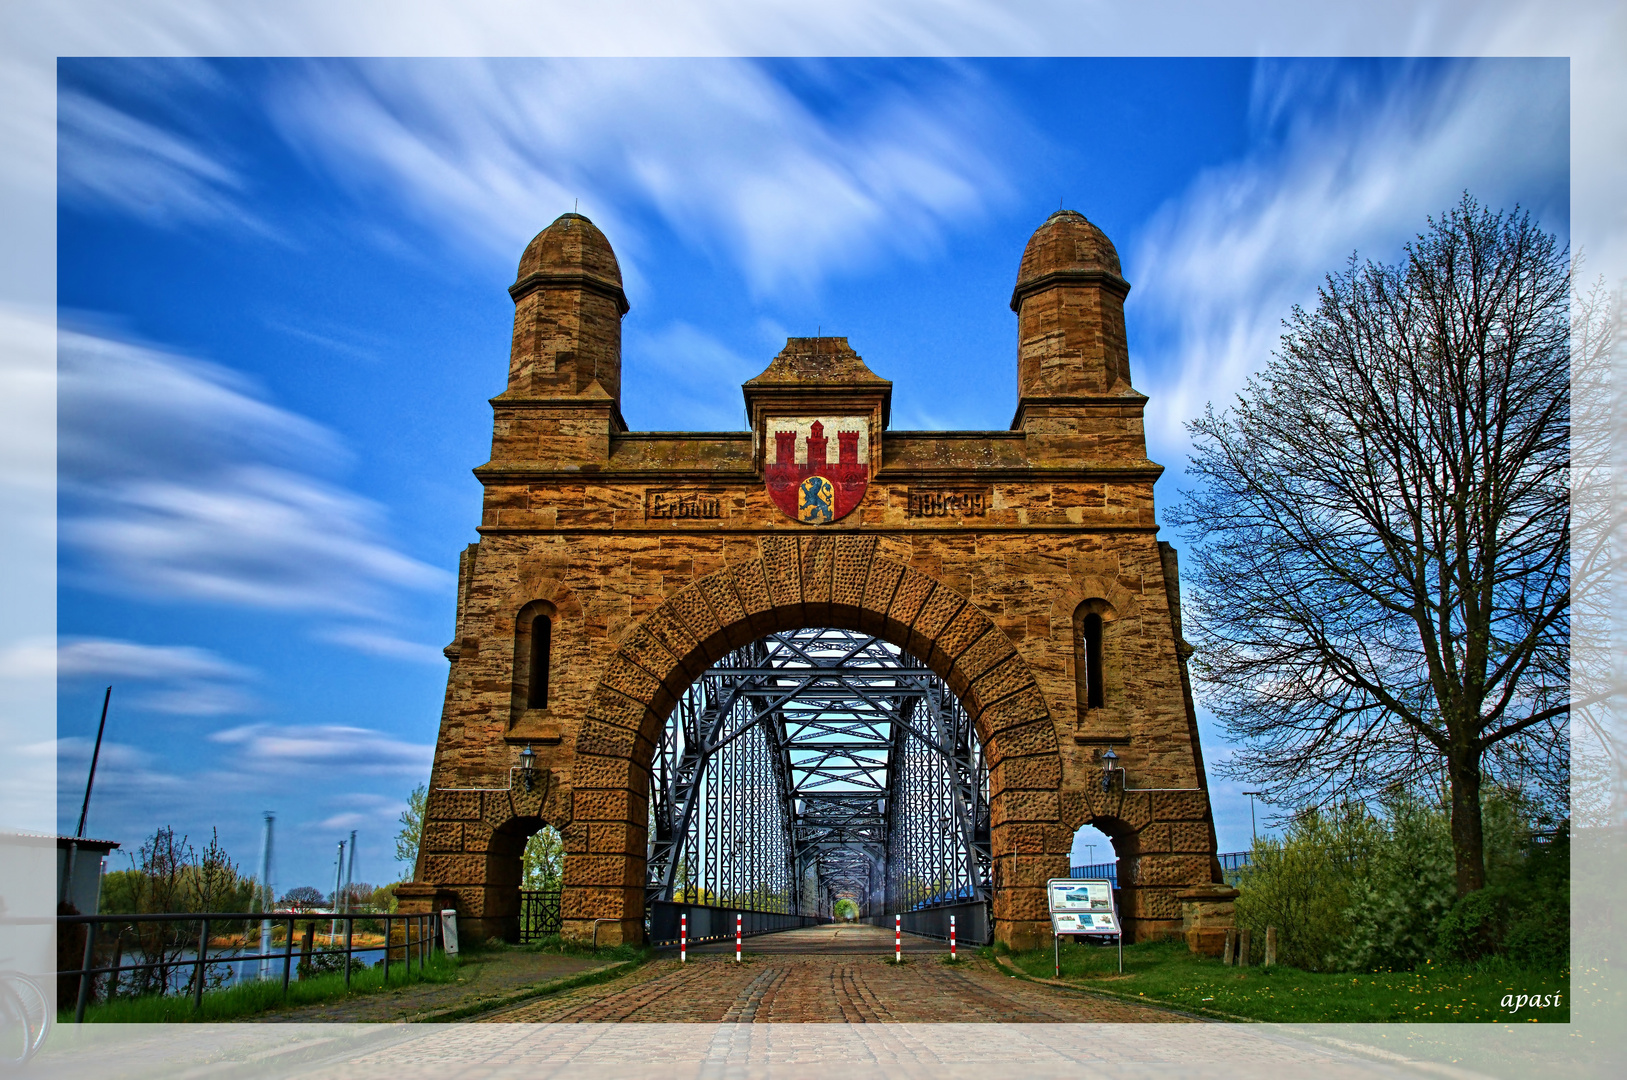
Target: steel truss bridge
816,765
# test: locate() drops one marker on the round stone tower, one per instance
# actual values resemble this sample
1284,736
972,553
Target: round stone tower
568,304
1069,301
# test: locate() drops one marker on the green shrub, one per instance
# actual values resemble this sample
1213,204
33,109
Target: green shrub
1526,911
1409,885
1539,940
1305,884
328,963
1474,927
1349,889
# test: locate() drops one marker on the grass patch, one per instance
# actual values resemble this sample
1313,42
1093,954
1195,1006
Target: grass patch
254,998
1165,973
559,946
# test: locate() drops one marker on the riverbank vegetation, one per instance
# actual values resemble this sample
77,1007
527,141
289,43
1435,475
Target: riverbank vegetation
252,999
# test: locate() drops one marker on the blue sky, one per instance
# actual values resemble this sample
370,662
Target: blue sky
282,306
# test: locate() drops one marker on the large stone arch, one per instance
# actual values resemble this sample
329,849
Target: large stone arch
806,581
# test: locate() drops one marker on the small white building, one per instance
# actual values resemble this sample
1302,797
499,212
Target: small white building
84,892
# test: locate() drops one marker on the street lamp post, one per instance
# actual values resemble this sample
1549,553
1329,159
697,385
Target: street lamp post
1254,833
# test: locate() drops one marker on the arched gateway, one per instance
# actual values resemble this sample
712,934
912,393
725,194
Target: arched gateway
1021,566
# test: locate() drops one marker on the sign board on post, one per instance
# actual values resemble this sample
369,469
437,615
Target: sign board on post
1084,907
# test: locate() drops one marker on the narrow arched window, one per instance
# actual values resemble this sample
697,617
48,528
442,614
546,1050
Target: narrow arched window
1090,621
542,627
533,656
1091,633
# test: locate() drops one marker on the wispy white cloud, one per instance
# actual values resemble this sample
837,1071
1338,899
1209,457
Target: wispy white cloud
379,643
1343,167
248,536
375,815
723,153
128,410
309,775
28,437
183,484
182,680
342,340
345,750
124,773
196,699
32,658
110,159
106,657
680,377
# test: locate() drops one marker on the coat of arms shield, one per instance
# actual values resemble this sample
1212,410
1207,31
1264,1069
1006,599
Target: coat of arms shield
801,478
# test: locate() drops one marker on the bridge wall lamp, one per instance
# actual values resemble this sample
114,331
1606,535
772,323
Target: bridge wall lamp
528,768
1110,763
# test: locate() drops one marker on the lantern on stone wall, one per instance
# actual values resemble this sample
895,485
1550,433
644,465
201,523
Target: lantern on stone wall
528,768
1110,762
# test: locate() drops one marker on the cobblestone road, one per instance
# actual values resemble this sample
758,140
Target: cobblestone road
822,976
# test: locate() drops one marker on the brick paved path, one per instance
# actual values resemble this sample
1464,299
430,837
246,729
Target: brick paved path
859,939
786,978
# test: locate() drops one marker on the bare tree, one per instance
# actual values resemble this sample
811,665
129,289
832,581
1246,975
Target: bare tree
1598,518
1382,587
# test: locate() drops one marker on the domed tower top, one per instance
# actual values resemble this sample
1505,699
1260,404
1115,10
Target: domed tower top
572,245
1066,244
568,304
1069,301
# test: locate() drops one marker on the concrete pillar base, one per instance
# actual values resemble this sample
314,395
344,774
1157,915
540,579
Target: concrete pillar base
620,932
1207,913
1022,935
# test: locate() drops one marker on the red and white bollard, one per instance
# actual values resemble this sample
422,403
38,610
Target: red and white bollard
683,938
898,939
951,937
737,937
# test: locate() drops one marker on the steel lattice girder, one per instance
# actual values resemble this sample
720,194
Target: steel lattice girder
864,749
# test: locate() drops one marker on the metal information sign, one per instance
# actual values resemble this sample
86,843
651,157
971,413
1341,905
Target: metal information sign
1082,906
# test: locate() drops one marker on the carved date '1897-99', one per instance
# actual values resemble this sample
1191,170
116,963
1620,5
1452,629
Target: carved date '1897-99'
948,504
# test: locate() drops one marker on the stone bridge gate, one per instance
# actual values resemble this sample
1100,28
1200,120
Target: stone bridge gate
1022,566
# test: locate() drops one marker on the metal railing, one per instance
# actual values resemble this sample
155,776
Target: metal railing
708,923
1108,870
168,952
972,922
1231,864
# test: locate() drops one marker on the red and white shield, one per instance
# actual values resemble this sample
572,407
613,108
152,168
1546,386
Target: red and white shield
802,479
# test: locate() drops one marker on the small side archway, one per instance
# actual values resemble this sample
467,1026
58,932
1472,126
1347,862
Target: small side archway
1092,849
